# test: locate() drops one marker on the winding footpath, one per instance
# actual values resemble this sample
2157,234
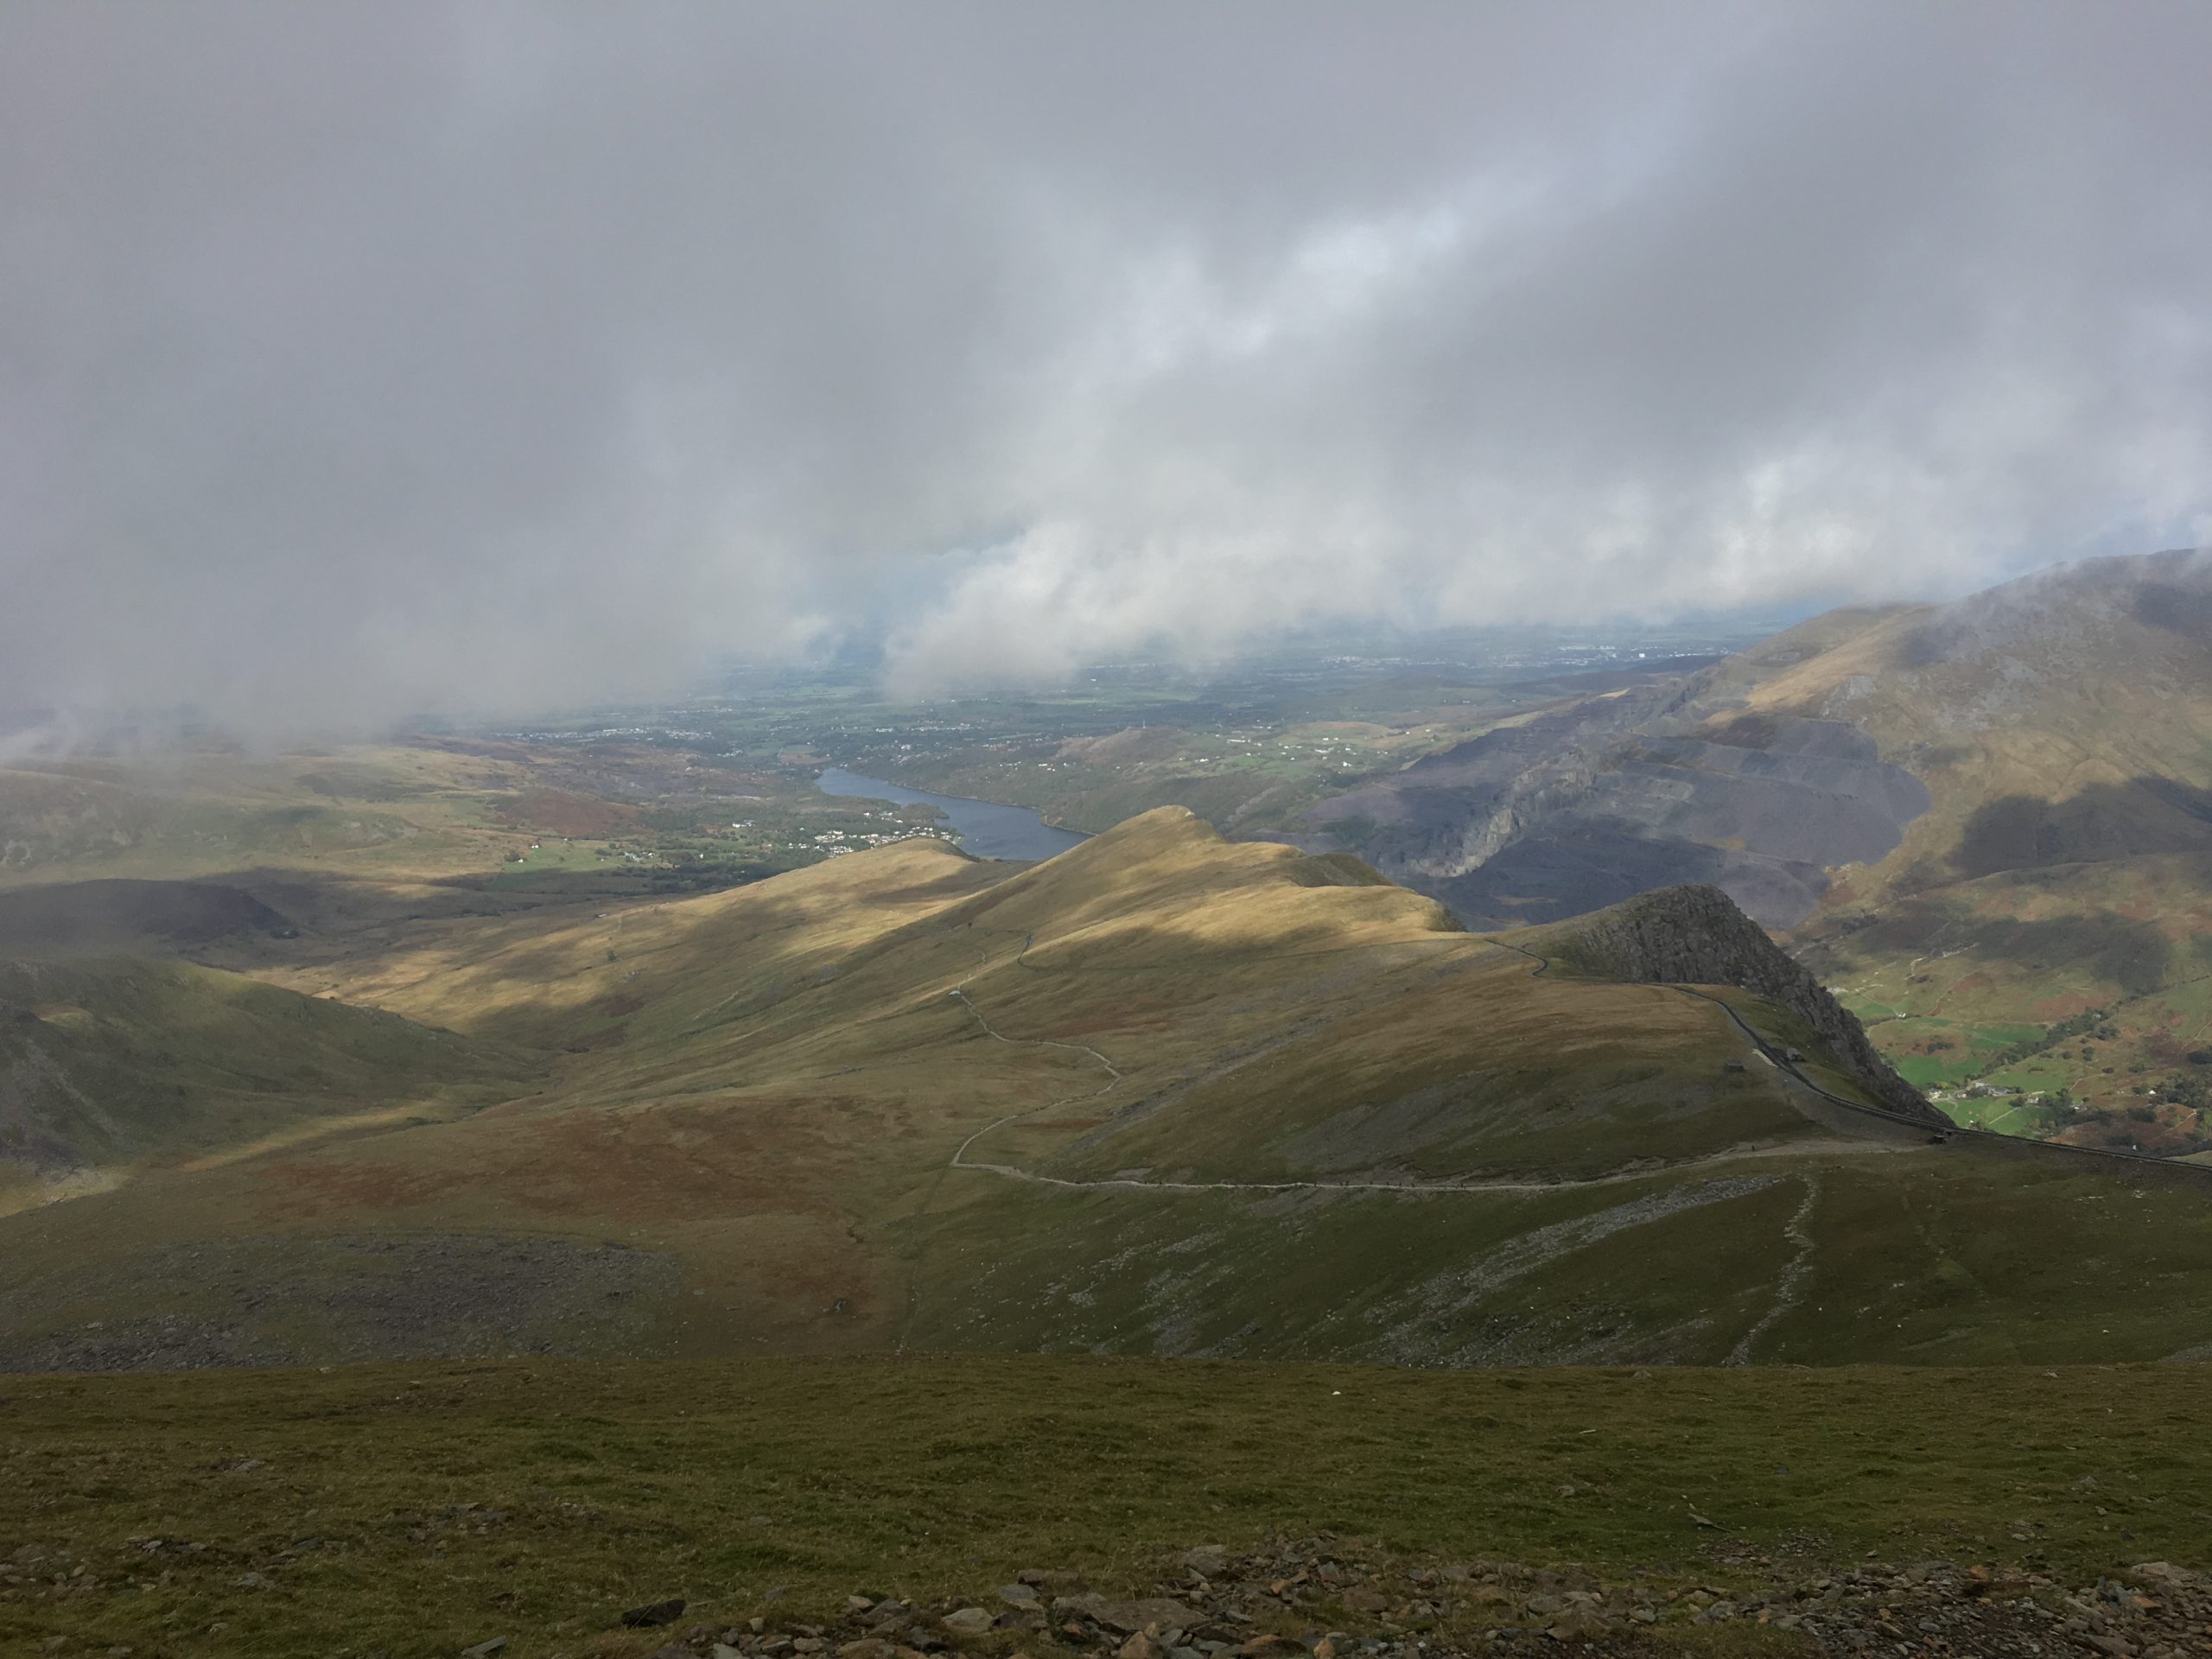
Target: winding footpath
1790,1290
1425,1189
1796,1271
1428,1189
1113,1077
1779,1059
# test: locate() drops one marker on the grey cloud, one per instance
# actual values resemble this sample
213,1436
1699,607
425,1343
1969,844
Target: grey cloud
359,358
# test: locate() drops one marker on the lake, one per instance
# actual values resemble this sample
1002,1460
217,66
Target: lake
987,829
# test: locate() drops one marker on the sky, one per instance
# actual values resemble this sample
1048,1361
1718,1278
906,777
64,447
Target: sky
360,360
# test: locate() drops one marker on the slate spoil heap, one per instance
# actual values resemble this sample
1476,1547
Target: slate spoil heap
1331,1598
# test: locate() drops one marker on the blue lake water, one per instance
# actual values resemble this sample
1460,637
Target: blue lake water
987,829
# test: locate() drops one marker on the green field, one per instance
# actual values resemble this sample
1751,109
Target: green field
2008,1114
1938,1052
2090,977
2104,1062
562,855
417,1510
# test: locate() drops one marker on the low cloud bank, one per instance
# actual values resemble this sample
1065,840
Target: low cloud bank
361,359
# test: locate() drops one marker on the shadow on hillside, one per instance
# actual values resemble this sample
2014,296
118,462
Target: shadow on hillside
2145,815
2134,955
117,917
253,918
2178,609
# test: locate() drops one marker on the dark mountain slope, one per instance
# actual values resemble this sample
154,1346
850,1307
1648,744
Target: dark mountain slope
1615,796
2064,717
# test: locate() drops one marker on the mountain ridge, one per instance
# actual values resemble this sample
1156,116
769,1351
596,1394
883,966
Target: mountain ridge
866,1108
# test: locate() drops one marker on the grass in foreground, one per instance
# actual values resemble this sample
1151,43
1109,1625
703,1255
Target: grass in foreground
419,1509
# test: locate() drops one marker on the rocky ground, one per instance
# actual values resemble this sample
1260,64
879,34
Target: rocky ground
1329,1598
1324,1598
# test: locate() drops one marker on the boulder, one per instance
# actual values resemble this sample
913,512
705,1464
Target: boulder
1131,1615
1053,1583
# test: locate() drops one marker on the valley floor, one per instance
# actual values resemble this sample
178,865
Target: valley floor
427,1509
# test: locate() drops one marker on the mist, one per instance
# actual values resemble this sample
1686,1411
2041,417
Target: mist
362,360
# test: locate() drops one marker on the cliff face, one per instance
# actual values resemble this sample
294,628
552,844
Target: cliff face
1696,935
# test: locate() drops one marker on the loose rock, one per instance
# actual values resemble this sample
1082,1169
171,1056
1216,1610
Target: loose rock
1127,1615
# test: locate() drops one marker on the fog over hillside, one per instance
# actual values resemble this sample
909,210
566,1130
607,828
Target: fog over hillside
359,359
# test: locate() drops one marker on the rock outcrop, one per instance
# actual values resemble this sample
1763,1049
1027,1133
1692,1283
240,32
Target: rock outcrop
1696,935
